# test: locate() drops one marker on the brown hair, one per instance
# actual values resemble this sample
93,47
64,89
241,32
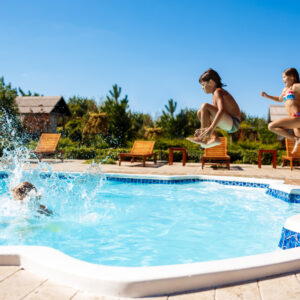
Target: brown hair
212,74
22,190
292,72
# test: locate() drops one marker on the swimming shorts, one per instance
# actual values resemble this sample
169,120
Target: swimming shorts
235,125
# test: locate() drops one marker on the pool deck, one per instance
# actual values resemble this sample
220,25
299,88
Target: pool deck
162,168
17,283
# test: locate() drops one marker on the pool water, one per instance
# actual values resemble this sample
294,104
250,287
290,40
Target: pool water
133,224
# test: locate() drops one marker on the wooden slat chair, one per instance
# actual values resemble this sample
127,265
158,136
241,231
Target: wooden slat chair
217,154
289,144
47,145
142,149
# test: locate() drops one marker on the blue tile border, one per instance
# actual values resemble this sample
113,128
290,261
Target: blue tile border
60,176
289,239
287,197
182,181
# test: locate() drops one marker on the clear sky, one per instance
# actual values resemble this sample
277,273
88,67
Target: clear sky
154,49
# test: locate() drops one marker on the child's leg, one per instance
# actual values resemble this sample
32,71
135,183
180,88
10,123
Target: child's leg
297,132
209,113
280,127
204,118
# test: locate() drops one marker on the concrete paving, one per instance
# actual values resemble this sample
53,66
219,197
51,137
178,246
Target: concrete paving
163,168
17,283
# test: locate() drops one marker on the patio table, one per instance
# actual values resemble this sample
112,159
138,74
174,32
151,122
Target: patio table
171,150
274,156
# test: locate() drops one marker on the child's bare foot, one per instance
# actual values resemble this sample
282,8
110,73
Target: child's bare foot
297,143
198,132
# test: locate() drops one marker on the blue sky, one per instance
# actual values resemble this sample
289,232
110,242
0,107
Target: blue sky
154,49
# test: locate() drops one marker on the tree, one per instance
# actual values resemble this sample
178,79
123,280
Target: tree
29,93
96,124
167,119
7,98
181,125
81,106
140,122
74,129
119,121
170,109
10,125
185,123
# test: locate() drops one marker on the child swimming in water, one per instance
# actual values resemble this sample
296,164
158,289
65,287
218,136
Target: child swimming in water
224,112
290,96
27,189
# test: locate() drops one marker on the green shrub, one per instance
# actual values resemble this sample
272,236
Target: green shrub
32,144
80,152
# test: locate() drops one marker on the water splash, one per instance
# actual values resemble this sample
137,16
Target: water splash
14,152
78,190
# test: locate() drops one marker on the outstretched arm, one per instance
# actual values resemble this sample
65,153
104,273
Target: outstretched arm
274,98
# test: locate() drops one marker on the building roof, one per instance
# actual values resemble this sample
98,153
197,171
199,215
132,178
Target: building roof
42,104
277,112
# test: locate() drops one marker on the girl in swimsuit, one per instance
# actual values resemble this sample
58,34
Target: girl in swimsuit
291,97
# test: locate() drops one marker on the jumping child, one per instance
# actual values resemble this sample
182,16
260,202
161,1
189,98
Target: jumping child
290,96
224,112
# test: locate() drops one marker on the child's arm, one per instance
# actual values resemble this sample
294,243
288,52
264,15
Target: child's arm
296,88
44,210
274,98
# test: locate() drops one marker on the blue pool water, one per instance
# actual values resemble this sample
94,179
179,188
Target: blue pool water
132,224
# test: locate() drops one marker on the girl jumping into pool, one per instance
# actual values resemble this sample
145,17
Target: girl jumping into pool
291,97
224,112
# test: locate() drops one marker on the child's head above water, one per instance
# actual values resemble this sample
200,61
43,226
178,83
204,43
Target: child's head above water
23,190
211,74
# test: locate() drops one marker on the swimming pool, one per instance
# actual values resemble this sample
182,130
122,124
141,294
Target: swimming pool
145,223
159,279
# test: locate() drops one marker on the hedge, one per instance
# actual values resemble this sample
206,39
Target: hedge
241,156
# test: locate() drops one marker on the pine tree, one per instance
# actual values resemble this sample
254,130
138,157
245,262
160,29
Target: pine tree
119,120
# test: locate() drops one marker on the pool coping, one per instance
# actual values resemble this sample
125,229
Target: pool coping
158,280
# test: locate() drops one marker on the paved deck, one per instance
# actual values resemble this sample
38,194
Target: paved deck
17,283
162,168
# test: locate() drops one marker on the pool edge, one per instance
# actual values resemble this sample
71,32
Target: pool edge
148,281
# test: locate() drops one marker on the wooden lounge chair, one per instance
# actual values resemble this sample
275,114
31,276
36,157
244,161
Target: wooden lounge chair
217,154
142,149
47,145
289,156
